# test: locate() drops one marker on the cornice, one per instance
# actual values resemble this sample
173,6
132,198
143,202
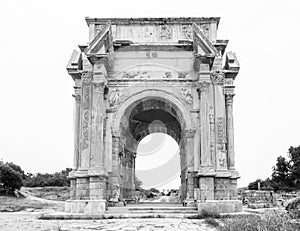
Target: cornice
142,21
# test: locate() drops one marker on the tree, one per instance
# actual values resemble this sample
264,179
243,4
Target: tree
294,155
280,175
9,177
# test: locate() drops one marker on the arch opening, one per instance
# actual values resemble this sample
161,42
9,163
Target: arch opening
162,120
158,162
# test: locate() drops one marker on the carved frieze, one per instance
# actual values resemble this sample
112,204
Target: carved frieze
187,32
165,33
187,95
154,75
218,77
114,97
205,29
99,27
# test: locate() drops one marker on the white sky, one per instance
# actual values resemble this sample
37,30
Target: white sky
37,38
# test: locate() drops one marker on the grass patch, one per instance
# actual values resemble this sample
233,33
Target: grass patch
13,204
212,222
270,221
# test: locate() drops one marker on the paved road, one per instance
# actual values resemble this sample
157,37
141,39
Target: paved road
21,221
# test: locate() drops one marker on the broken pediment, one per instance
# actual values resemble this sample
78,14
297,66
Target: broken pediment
102,44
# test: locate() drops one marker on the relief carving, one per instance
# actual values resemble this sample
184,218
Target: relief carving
114,97
99,27
85,129
182,75
86,97
187,32
218,77
165,33
168,75
187,95
221,132
205,29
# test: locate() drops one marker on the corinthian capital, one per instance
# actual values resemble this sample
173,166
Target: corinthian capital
77,98
218,77
99,87
229,98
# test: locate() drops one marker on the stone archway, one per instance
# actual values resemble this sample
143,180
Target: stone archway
134,120
135,71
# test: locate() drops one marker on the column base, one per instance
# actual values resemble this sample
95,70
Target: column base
90,207
219,206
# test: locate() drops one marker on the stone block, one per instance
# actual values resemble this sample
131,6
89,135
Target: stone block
219,206
90,207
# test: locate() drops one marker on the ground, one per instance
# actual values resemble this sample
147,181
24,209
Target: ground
29,222
21,214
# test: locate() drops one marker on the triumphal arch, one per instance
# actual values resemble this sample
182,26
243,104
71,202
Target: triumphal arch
137,76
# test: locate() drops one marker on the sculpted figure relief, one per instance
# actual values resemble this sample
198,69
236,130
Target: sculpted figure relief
114,97
187,95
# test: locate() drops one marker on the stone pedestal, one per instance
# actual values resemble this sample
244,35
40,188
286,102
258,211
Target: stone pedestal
219,206
89,207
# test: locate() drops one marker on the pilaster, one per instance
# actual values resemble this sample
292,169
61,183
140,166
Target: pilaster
218,79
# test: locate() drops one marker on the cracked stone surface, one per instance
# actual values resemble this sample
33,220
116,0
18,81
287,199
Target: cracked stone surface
29,222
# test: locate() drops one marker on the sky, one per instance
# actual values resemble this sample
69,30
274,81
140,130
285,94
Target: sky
37,39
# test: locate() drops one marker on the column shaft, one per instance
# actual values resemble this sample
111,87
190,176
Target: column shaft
76,129
204,125
230,131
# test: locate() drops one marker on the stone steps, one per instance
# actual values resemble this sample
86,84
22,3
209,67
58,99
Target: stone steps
153,211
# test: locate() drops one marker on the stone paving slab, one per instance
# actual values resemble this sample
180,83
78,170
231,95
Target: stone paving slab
30,222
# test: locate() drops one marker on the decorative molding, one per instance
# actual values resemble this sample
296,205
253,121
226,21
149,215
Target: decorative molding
187,95
218,77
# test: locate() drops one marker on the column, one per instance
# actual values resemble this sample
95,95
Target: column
230,131
98,115
204,124
77,97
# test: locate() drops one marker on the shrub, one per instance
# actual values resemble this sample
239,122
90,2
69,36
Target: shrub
270,221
